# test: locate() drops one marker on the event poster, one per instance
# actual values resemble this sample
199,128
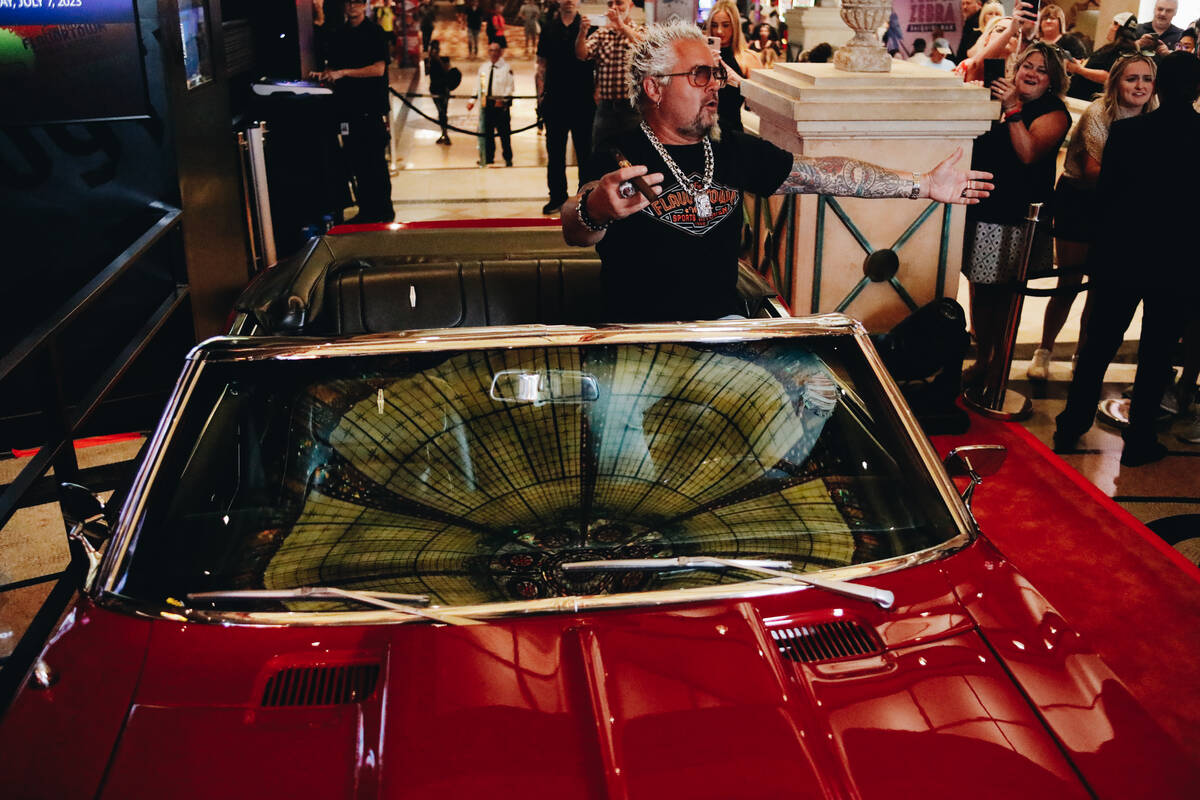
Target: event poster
923,19
67,60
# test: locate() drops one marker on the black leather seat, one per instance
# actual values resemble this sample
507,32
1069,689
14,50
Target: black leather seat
375,298
343,285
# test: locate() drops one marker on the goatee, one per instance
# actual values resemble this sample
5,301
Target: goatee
696,129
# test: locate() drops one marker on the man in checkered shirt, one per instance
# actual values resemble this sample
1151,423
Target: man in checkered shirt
608,47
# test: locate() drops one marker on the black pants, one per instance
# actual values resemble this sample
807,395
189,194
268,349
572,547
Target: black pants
1164,316
442,103
497,121
366,152
577,122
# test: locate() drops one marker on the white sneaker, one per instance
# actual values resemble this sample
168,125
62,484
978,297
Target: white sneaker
1039,367
1191,431
1170,401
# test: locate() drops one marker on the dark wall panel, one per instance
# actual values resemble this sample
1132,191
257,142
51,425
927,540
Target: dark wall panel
74,196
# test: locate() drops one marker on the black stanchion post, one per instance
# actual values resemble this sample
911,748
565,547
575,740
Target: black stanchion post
994,399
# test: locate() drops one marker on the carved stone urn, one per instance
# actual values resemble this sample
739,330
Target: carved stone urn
864,53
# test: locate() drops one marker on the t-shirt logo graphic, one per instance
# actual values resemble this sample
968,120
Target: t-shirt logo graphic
677,208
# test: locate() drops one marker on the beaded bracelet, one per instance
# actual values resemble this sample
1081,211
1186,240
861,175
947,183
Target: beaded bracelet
585,219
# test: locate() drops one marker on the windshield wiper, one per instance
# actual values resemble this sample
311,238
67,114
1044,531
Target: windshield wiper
880,597
393,601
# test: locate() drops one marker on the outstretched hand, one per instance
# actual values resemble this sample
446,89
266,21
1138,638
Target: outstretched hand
962,187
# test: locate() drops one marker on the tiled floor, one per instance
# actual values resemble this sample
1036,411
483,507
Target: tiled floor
432,181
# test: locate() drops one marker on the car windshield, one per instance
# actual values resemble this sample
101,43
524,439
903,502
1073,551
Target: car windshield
472,475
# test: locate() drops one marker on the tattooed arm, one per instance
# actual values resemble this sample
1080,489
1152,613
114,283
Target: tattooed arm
847,177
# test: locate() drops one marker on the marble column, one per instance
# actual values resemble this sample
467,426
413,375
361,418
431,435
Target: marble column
808,27
873,259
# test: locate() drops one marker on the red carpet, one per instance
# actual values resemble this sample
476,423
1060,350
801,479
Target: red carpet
91,441
1135,599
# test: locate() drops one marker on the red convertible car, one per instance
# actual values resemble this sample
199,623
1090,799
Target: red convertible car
373,553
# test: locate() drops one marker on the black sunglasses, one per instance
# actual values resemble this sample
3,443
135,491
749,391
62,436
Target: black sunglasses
700,75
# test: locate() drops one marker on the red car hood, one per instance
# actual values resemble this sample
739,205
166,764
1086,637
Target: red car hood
682,701
970,686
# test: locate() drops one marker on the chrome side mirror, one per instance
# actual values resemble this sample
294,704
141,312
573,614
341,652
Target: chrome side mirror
974,461
84,513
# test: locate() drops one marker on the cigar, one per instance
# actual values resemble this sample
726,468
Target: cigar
638,183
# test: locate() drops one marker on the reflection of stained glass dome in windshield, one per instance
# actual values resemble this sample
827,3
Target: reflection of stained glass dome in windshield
429,484
472,475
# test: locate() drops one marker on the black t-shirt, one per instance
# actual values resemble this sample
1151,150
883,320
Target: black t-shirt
351,47
1071,46
438,70
1017,184
475,18
970,35
1170,37
568,79
729,97
663,263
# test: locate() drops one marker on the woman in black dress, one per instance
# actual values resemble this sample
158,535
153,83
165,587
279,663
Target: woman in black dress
1020,150
725,24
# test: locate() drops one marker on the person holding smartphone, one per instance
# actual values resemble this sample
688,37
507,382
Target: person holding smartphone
1020,149
565,97
1159,35
1052,29
725,25
608,47
356,65
1088,79
999,41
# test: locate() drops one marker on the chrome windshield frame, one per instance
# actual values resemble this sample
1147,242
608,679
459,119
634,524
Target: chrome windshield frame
228,349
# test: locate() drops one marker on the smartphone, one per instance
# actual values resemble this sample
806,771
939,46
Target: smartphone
1037,5
714,43
992,68
598,20
639,182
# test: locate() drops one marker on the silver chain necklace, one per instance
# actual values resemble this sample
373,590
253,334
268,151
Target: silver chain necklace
699,196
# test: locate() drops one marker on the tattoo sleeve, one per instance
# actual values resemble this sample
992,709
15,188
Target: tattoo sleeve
843,177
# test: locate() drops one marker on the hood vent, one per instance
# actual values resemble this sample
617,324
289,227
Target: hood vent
321,686
825,641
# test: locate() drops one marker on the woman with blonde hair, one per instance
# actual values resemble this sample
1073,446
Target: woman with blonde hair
999,40
1129,91
990,11
725,24
1052,29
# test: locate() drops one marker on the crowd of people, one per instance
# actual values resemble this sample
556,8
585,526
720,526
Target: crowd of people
652,105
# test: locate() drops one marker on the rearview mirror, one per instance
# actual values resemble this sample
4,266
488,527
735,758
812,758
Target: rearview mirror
974,461
544,386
